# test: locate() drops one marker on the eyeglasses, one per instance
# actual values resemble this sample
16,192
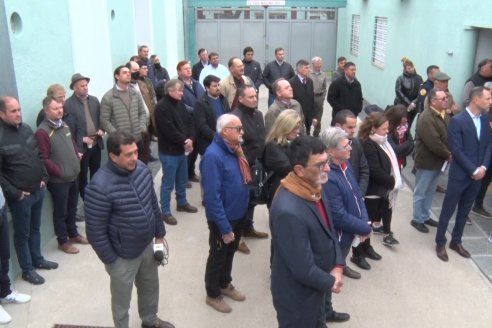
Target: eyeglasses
320,166
237,128
348,146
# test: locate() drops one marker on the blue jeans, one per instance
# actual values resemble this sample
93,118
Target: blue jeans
26,218
4,254
271,99
65,198
423,194
174,170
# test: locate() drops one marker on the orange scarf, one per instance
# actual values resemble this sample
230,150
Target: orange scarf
301,188
243,162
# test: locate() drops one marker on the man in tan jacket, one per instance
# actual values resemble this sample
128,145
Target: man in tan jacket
229,85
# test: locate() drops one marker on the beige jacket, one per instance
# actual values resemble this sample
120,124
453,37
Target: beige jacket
228,87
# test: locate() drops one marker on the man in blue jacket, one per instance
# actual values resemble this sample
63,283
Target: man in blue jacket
122,220
225,175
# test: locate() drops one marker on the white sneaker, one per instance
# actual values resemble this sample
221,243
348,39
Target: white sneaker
16,297
4,316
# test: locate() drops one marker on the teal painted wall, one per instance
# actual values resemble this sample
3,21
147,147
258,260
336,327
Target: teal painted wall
8,86
41,52
424,31
121,31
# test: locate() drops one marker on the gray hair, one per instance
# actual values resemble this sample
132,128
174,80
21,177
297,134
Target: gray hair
316,59
171,85
488,85
224,120
332,136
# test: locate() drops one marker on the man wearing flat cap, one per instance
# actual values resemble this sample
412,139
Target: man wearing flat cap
84,110
441,84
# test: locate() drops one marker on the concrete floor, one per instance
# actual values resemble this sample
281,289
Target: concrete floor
410,287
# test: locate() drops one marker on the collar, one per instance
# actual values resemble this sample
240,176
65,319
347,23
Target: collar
120,89
442,114
279,63
301,78
473,116
118,170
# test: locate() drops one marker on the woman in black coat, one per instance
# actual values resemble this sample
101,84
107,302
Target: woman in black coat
384,174
399,135
285,129
407,88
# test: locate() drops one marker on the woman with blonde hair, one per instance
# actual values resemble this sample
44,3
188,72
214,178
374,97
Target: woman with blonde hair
407,88
285,129
384,174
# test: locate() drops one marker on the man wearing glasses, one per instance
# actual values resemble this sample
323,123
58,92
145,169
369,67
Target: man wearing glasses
225,178
431,152
305,270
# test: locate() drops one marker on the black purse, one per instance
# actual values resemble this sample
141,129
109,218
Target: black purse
259,187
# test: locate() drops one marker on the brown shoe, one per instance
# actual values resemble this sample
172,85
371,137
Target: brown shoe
68,248
186,208
188,185
231,292
243,248
440,189
169,219
218,304
194,179
159,324
252,233
441,253
459,249
79,239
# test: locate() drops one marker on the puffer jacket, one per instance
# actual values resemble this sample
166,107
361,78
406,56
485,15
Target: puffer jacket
122,213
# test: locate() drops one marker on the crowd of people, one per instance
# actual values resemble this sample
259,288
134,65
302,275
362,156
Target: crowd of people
330,190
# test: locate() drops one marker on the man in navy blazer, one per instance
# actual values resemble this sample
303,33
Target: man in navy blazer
307,261
303,89
470,146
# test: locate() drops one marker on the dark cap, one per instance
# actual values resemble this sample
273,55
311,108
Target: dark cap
441,76
77,77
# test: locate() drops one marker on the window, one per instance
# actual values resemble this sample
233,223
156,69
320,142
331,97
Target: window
380,39
354,38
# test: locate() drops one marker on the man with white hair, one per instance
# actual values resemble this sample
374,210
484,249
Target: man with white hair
226,199
320,82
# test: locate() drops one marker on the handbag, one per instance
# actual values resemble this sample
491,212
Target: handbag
258,187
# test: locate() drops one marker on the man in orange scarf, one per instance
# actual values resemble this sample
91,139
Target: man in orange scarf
307,260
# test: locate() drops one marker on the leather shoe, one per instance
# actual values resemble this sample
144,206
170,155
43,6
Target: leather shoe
169,219
186,208
188,185
431,223
252,233
337,317
371,253
348,272
441,253
459,249
79,239
68,248
361,262
419,226
194,179
46,265
159,324
243,248
440,189
33,277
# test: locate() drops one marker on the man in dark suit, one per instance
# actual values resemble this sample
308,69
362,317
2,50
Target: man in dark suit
303,88
206,112
469,143
304,270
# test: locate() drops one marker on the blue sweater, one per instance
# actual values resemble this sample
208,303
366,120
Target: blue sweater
226,196
122,213
347,204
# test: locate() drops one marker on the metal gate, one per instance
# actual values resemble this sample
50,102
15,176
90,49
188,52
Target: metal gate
302,32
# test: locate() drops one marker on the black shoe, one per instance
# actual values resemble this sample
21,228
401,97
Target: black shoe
153,159
389,240
159,324
348,272
338,317
361,262
46,265
419,226
431,223
371,253
186,208
482,212
377,229
188,185
33,277
194,179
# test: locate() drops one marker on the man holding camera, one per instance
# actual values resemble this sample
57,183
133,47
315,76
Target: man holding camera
122,220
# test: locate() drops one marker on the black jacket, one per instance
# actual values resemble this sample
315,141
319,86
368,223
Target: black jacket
273,72
380,180
304,94
174,125
407,88
345,95
252,70
206,121
275,160
254,131
21,167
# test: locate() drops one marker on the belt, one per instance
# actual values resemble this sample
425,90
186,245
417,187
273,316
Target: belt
319,94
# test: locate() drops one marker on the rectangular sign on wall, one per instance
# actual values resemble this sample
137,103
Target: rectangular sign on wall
265,3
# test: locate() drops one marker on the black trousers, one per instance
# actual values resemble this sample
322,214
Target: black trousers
220,258
483,188
378,210
191,163
90,162
4,254
65,197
